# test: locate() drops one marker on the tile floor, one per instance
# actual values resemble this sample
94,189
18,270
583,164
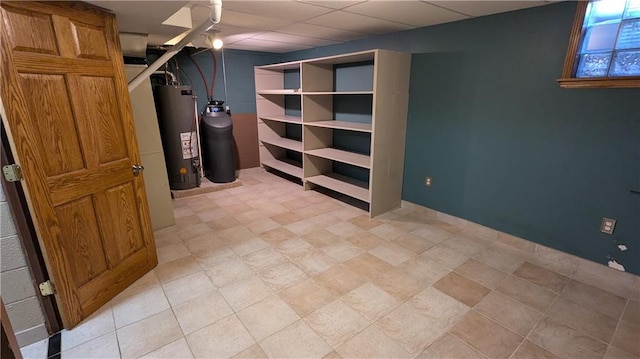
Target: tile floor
270,270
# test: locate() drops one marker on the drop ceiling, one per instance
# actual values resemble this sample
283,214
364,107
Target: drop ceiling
289,25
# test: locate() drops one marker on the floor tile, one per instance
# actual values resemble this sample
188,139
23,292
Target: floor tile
448,346
235,234
365,222
344,229
286,218
215,257
306,296
439,307
432,234
332,355
339,280
410,328
626,338
172,252
368,265
223,223
342,251
466,245
262,225
366,241
555,260
372,343
36,350
447,257
461,289
315,262
105,346
481,273
130,309
423,270
632,312
603,277
527,293
414,243
615,353
392,254
267,317
294,248
486,336
387,231
231,270
277,235
399,283
149,334
321,238
586,320
201,311
253,352
249,246
178,349
336,323
506,260
594,298
96,325
178,268
541,276
242,294
263,259
295,341
509,312
222,339
370,301
187,288
565,341
529,350
282,276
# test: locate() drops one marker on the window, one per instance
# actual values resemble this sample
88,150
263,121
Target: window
604,48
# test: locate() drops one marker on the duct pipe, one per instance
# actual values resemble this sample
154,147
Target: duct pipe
214,18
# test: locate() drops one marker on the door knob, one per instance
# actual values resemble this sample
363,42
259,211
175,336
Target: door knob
137,169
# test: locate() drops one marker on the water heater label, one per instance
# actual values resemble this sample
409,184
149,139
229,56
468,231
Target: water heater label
189,144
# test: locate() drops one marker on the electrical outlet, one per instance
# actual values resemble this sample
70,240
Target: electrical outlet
427,181
607,226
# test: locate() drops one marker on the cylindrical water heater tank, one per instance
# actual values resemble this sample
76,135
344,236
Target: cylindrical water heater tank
176,117
217,143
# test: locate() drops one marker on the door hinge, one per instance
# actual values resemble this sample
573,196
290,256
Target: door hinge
47,288
12,173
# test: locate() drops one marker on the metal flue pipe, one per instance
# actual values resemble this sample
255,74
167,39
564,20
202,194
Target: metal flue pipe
214,18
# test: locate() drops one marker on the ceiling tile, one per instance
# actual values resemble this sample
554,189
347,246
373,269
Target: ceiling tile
358,23
291,10
415,13
480,7
249,21
321,32
340,4
269,46
295,39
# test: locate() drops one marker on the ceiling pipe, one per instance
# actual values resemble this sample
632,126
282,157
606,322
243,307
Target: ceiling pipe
214,18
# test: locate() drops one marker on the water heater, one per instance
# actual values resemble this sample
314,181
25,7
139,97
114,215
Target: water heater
178,129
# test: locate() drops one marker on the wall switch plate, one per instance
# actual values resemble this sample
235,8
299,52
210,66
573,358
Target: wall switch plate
607,225
427,181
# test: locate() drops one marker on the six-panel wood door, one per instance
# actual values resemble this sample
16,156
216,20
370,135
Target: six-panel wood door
67,112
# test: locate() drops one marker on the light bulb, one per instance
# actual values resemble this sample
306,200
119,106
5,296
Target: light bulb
217,43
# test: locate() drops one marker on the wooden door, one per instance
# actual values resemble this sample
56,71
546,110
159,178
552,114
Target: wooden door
67,112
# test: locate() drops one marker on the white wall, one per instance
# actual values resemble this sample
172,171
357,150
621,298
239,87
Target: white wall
16,284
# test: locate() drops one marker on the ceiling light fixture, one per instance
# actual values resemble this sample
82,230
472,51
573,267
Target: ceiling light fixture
217,43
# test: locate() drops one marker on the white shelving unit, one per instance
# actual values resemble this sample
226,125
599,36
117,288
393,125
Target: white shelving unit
338,122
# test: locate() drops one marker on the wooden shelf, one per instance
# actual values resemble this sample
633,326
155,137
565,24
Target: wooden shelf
285,167
283,118
342,184
342,125
284,143
280,92
338,93
351,158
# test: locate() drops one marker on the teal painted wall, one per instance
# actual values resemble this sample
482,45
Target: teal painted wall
240,94
506,146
